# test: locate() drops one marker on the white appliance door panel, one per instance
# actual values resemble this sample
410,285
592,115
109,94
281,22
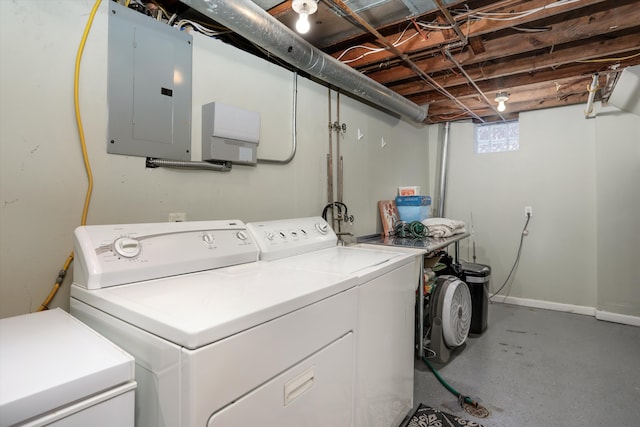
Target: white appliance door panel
157,369
222,372
385,349
317,392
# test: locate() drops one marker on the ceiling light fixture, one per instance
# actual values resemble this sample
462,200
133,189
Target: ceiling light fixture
501,98
304,8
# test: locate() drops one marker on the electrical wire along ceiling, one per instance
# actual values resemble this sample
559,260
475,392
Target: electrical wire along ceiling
439,60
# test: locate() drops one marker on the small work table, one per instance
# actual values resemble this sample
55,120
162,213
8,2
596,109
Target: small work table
425,246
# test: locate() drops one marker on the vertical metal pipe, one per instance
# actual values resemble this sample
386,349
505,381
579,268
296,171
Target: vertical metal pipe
443,170
338,155
330,155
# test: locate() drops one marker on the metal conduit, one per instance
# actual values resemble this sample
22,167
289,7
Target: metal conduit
473,83
444,165
187,165
342,6
253,23
451,21
294,130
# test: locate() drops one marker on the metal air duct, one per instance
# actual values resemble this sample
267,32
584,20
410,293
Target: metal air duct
253,23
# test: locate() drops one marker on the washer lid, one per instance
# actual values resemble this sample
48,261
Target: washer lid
49,360
200,308
364,264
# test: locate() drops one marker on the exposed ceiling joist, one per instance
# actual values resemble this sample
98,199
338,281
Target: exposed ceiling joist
456,55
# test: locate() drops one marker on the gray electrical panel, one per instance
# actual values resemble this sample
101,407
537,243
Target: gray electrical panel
149,87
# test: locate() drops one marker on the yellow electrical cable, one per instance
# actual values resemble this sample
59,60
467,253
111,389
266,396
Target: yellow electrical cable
83,145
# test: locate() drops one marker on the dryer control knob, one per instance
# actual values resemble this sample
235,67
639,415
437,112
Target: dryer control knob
241,235
127,247
322,227
208,238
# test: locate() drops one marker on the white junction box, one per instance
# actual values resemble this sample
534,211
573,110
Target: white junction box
230,133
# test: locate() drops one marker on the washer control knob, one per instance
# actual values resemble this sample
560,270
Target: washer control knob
208,238
270,236
241,235
322,227
127,247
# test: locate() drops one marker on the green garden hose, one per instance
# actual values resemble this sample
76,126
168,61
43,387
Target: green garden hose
461,398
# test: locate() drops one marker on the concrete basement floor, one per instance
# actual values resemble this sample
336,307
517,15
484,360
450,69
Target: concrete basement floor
535,367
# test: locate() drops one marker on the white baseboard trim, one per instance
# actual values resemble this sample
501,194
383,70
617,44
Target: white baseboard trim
547,305
618,318
570,308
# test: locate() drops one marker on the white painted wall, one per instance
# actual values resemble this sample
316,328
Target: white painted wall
618,224
581,178
42,178
554,173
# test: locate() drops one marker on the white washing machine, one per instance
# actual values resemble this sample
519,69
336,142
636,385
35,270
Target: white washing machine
219,338
56,371
387,282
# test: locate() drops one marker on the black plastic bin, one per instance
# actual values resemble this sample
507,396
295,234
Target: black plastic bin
477,276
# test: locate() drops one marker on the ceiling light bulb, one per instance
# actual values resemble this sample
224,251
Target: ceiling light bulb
501,98
303,26
304,8
308,7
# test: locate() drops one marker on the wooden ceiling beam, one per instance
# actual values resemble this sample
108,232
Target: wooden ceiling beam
445,113
436,39
572,30
523,71
544,90
539,90
509,81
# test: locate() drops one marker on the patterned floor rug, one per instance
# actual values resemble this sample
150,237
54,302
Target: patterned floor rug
430,417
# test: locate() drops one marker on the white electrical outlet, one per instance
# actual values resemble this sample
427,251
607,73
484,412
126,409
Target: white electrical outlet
528,211
177,217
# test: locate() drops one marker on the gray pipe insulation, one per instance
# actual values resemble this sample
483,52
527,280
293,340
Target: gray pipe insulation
253,23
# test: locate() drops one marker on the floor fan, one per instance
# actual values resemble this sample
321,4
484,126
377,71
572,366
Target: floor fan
450,316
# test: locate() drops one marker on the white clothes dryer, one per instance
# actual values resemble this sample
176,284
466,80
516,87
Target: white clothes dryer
220,339
387,282
56,371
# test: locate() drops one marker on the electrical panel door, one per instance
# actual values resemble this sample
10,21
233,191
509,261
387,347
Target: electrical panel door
149,87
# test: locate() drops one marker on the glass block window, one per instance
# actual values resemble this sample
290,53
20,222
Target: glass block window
497,137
